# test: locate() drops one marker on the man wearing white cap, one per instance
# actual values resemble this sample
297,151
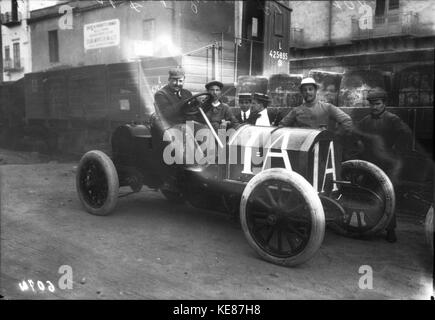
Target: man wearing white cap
314,113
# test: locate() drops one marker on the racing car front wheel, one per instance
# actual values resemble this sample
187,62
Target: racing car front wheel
282,217
97,183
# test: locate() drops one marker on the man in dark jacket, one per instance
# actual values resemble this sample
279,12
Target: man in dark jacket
169,99
260,114
218,113
384,126
168,102
383,136
245,106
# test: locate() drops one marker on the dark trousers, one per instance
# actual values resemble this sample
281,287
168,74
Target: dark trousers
390,162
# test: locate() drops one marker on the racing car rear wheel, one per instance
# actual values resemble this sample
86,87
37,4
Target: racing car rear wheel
282,217
97,183
368,200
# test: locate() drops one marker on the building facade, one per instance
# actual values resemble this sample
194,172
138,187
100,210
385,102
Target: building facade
210,39
15,34
16,48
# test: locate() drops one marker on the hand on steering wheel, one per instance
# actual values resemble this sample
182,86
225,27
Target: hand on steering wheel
191,105
196,107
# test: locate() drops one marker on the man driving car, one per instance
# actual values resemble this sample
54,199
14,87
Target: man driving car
168,100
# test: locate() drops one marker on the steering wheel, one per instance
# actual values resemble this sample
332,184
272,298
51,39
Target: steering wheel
191,106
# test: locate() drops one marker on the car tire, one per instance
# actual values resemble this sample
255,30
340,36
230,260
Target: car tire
384,198
296,211
97,183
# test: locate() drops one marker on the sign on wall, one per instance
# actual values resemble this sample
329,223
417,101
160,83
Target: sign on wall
101,34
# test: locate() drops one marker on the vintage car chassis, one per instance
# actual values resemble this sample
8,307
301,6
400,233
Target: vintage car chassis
283,203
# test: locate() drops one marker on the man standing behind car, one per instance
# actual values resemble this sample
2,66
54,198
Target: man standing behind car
316,114
385,134
384,137
168,100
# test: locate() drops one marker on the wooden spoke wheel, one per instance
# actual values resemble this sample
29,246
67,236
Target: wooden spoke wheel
97,183
368,201
282,217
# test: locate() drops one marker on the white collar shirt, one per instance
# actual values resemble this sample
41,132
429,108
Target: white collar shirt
263,120
247,114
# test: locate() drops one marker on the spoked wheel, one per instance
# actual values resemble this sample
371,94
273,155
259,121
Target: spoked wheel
368,200
97,183
282,217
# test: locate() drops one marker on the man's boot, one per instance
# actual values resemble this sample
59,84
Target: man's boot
391,235
391,230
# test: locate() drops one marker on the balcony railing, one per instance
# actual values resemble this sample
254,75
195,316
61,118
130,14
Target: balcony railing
8,19
10,65
296,37
404,24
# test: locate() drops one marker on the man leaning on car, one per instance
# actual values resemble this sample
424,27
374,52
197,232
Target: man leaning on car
316,114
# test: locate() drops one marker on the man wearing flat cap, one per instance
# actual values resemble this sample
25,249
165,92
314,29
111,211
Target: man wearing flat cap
169,99
383,138
217,112
386,128
314,113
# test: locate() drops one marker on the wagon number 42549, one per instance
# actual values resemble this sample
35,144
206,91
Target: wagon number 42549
278,55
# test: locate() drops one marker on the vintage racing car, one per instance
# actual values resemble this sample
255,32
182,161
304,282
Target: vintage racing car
286,184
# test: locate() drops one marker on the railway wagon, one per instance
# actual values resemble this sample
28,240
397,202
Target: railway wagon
12,110
79,107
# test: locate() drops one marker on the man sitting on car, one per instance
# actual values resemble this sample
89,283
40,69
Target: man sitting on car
260,115
169,99
218,113
245,106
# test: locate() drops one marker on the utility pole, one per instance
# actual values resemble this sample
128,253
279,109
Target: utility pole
221,49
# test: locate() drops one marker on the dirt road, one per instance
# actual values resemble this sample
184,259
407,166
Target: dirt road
151,249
